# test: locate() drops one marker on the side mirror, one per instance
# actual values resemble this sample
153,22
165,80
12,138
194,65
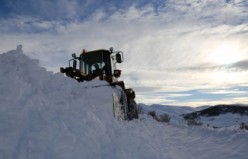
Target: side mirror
74,55
111,49
74,64
118,58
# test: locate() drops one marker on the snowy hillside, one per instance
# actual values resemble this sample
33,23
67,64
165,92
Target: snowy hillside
48,116
220,116
174,112
227,117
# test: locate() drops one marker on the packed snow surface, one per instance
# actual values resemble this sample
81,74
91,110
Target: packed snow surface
48,116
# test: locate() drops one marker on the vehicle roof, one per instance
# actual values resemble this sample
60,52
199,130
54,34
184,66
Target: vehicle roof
94,51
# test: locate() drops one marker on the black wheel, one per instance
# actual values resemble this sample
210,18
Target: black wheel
133,109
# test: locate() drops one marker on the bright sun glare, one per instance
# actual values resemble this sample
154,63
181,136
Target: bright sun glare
226,54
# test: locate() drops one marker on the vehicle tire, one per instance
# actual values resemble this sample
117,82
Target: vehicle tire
133,109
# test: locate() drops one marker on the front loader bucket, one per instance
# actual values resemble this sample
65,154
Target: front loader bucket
120,104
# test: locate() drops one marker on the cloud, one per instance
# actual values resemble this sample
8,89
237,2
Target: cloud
210,102
196,97
228,92
140,31
208,96
233,67
241,65
48,10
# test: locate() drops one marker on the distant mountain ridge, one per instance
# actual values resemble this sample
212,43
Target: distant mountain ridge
217,110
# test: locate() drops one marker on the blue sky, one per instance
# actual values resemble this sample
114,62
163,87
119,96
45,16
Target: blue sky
188,52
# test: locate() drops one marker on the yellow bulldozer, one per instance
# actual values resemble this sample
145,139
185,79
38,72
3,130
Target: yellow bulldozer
101,64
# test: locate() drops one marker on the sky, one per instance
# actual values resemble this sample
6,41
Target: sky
176,52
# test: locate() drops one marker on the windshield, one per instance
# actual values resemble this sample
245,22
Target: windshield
95,62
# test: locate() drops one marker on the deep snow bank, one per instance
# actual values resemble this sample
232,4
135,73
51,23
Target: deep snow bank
44,115
48,116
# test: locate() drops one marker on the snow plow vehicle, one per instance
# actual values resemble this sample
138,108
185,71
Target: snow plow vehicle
102,64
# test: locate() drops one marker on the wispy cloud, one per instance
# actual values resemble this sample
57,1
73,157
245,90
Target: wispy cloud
240,66
232,67
48,10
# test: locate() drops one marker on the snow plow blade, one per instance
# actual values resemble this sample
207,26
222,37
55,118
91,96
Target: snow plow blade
124,105
118,108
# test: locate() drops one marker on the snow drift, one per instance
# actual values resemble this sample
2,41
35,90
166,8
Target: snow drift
48,116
